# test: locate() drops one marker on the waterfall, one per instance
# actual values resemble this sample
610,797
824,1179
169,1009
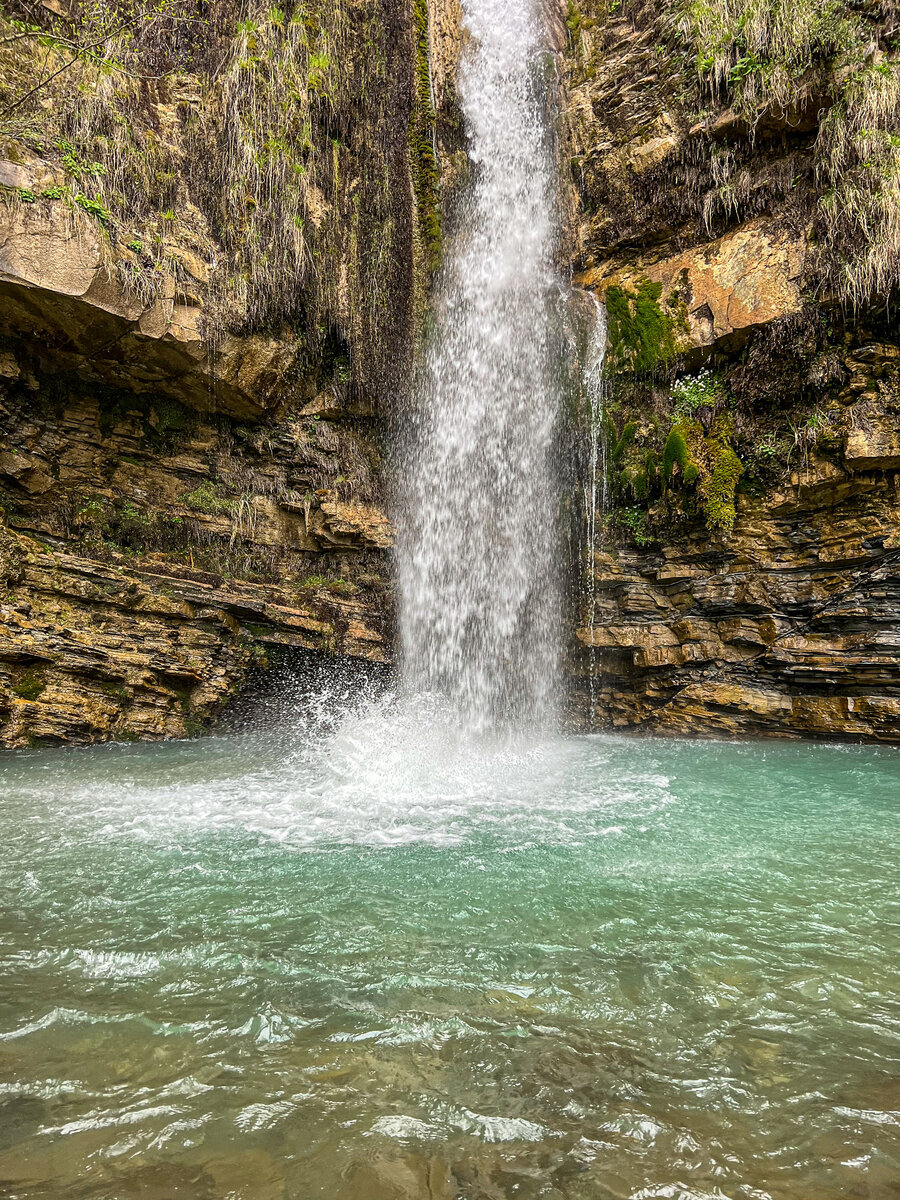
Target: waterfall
479,611
595,475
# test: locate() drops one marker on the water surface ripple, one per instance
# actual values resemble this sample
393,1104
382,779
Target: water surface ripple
596,967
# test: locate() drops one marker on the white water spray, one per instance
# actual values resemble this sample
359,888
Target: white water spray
479,607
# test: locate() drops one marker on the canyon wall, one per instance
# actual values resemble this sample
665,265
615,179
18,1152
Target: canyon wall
217,231
734,175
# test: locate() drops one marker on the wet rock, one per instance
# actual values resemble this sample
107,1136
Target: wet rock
59,281
749,277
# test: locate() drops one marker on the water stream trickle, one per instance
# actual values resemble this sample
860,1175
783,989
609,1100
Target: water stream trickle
479,608
595,484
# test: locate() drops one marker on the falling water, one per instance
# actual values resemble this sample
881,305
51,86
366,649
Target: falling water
479,610
595,476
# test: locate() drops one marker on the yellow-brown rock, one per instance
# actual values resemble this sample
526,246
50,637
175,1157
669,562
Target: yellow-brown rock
749,277
791,628
59,280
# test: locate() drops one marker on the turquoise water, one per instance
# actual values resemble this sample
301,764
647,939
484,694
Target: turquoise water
381,966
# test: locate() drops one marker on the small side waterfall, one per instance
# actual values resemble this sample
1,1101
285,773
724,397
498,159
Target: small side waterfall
595,487
479,607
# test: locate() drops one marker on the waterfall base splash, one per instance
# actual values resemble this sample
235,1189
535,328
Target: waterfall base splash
233,968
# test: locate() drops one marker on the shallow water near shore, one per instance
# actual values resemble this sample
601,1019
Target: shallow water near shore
382,963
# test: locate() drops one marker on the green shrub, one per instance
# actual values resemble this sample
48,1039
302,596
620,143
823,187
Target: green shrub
692,392
635,521
760,51
208,498
760,55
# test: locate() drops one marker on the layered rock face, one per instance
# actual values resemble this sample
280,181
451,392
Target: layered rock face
746,575
792,630
215,246
152,554
210,283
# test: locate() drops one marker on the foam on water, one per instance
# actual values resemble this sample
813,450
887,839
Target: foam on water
595,966
382,772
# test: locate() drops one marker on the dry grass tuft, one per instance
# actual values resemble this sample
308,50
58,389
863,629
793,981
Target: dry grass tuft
765,54
858,154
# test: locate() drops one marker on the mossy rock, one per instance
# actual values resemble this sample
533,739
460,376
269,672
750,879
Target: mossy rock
718,489
29,684
710,462
642,335
676,453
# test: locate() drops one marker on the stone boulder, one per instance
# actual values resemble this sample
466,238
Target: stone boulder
873,443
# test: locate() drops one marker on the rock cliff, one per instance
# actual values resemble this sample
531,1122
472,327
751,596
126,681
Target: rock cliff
734,184
217,229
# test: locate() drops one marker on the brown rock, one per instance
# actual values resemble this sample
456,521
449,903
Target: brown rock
873,443
747,278
57,281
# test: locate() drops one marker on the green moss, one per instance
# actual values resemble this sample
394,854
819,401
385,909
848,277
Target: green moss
676,453
193,726
624,441
29,684
693,456
170,417
209,498
123,733
641,335
573,20
423,160
718,489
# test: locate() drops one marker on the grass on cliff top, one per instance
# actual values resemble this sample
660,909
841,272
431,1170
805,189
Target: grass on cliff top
760,56
758,52
858,153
